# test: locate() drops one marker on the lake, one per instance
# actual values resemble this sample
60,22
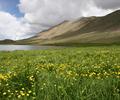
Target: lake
26,47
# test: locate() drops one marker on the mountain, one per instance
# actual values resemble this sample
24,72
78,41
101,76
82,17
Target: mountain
7,41
93,29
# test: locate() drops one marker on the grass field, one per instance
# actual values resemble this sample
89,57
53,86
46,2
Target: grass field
81,73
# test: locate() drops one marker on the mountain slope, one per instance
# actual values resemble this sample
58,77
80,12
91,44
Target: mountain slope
7,41
104,29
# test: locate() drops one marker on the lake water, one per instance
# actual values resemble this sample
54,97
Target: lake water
26,47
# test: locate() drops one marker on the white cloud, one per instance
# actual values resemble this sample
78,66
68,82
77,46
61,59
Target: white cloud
93,10
51,12
107,4
11,27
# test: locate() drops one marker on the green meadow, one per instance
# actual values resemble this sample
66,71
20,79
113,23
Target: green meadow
73,73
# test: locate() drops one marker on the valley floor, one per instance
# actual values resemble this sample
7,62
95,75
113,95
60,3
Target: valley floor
75,73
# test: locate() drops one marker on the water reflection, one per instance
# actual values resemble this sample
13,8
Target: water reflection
25,47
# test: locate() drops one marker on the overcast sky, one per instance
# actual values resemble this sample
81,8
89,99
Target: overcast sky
24,18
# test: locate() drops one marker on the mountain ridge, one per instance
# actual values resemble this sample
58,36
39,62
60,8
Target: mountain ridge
7,41
93,29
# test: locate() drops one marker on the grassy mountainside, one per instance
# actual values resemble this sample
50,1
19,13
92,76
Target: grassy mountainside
104,29
7,41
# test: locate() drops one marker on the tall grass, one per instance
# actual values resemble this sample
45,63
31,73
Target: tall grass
88,73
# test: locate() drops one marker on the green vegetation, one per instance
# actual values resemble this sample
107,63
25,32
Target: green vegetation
83,73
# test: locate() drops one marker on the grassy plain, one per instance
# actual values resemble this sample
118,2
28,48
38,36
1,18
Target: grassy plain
78,73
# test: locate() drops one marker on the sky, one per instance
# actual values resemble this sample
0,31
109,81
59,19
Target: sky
21,19
11,7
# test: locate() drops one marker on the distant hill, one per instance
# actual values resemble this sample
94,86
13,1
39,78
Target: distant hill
7,41
104,29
